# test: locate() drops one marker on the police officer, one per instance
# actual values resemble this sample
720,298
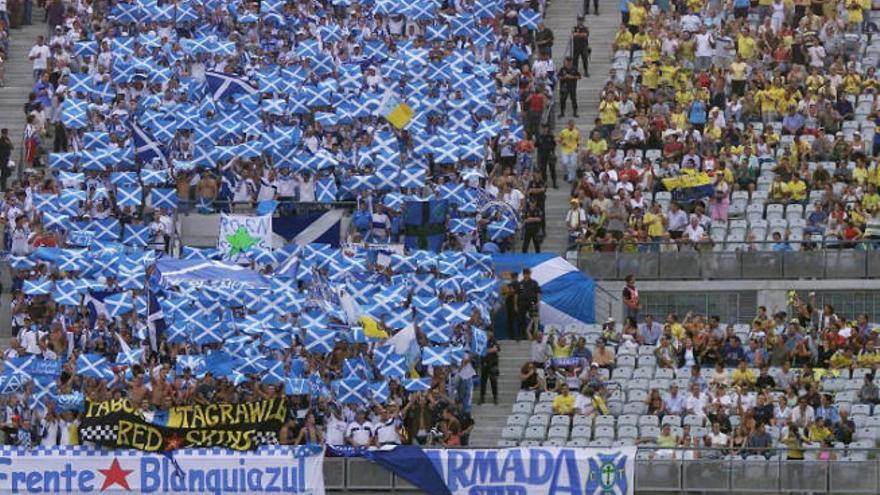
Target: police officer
568,78
546,146
580,42
532,219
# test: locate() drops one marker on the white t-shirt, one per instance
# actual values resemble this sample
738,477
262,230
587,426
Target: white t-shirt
360,434
307,190
386,432
335,431
694,234
718,439
41,62
704,45
514,198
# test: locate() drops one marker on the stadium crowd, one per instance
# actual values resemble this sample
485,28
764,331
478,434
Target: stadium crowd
789,382
731,126
140,111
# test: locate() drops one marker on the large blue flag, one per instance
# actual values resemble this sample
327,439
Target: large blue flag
426,224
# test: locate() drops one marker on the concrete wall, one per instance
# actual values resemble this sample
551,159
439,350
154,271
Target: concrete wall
770,293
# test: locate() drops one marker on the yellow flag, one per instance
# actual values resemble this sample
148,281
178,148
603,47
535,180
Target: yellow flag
371,328
395,110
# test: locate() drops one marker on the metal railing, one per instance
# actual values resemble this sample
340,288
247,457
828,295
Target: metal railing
651,261
727,475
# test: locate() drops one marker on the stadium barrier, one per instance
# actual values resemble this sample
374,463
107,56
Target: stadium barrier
650,263
526,470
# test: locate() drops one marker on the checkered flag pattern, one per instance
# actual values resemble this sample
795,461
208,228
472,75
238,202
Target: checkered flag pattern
99,433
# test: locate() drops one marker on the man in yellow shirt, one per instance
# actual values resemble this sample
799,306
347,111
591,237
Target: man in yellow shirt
637,15
746,46
569,140
796,189
596,146
564,402
738,76
654,223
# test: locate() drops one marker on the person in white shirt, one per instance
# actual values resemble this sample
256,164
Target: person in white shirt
360,432
39,55
803,414
583,403
575,219
705,49
30,339
512,196
387,426
696,402
336,428
694,232
285,184
718,438
306,187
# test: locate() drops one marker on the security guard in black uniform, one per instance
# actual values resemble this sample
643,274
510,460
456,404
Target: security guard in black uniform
580,44
568,80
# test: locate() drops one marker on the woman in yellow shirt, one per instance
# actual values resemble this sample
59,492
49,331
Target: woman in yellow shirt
637,15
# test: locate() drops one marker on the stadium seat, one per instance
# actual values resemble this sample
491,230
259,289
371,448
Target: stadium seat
558,432
514,433
604,432
578,443
526,396
523,407
539,420
582,420
538,433
582,432
649,420
517,420
560,420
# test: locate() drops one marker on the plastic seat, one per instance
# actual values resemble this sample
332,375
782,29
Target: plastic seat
860,409
526,396
582,431
644,373
774,211
539,420
647,361
560,420
794,210
649,420
523,407
535,433
671,420
664,374
578,443
544,408
506,443
512,433
636,408
627,432
627,420
649,432
626,361
637,384
693,420
604,432
604,420
622,373
637,395
754,212
517,420
558,432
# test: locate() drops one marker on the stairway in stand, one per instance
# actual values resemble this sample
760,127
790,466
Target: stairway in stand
489,418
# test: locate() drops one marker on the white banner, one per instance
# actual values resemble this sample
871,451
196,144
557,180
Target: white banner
215,471
537,470
242,233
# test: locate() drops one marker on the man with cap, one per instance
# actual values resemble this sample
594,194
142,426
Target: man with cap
580,41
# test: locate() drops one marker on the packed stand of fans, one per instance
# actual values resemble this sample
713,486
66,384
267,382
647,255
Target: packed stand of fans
125,128
796,385
173,89
731,126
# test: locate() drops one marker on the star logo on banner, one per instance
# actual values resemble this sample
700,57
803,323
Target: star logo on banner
173,442
115,475
240,241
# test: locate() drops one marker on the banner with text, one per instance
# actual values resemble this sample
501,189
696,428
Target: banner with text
240,234
115,423
537,470
215,471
